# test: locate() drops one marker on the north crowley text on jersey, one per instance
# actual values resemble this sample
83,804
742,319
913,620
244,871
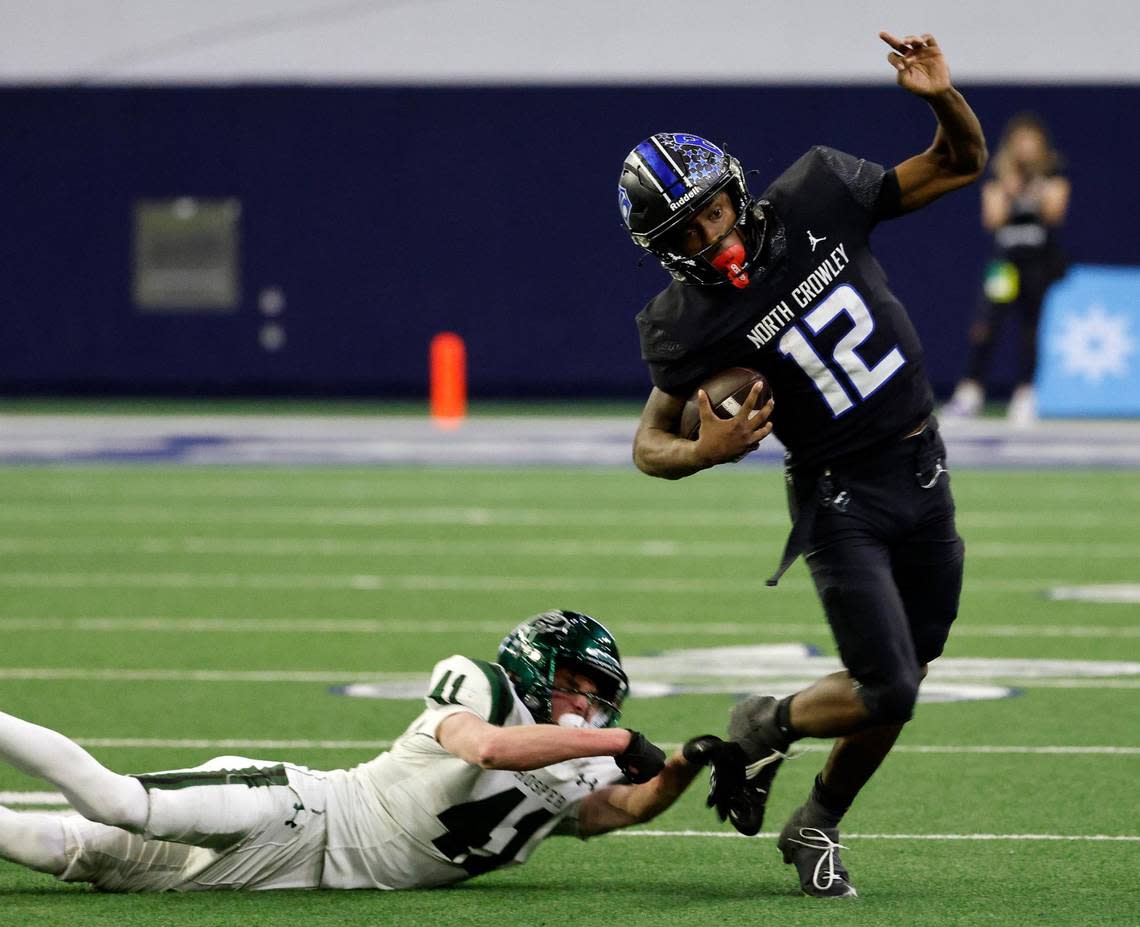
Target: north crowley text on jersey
807,290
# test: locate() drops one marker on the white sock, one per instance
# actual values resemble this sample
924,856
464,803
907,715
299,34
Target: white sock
34,840
93,790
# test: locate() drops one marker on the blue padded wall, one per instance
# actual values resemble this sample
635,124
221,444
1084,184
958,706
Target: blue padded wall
388,214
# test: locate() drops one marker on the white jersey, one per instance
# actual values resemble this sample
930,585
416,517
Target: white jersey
419,816
414,817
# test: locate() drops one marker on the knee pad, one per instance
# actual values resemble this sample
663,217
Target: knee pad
891,702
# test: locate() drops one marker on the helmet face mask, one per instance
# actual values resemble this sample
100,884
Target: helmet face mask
534,651
668,179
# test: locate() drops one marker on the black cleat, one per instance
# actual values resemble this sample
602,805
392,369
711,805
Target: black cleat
752,725
814,851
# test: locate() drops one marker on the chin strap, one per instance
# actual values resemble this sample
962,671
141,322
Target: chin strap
729,263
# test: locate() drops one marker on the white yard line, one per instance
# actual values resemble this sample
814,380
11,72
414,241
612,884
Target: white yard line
436,583
202,675
56,800
293,488
631,625
1014,751
586,515
1082,684
376,515
235,743
653,549
846,836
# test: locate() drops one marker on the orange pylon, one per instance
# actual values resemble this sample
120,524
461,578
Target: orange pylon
448,363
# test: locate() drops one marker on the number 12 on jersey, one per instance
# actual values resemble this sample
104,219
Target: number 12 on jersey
866,380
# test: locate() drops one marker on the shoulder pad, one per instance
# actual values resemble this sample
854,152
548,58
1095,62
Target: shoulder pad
862,178
477,685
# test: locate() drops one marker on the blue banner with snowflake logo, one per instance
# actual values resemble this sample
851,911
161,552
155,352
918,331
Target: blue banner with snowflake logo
1089,344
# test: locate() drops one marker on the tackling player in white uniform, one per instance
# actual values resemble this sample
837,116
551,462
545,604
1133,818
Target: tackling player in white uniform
504,755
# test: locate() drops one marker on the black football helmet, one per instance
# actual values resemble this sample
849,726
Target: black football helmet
533,652
667,179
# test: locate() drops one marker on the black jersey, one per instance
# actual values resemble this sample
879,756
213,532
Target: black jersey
817,319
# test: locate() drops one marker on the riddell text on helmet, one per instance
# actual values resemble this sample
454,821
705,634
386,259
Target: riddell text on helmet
677,203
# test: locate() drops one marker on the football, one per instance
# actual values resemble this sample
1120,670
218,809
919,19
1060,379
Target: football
727,392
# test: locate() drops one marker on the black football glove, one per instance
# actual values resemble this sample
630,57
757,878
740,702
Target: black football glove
727,774
642,759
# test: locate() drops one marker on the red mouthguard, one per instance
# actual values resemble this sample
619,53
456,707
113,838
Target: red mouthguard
728,262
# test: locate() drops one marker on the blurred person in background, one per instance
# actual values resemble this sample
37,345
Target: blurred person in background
1023,204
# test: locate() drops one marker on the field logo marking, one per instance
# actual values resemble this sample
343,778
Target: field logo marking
781,669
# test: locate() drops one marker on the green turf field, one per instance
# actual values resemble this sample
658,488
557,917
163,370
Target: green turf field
163,615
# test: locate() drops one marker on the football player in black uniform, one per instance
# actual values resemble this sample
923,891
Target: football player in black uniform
788,285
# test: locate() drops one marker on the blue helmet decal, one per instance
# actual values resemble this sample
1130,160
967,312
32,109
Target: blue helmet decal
678,162
624,204
667,172
679,139
702,159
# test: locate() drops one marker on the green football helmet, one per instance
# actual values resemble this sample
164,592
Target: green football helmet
534,650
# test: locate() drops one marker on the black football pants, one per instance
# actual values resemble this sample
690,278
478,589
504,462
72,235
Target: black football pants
887,563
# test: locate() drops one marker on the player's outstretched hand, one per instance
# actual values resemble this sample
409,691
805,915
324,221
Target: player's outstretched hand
641,760
921,66
727,775
723,440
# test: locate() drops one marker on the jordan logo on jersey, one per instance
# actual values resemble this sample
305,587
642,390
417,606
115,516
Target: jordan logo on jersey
813,241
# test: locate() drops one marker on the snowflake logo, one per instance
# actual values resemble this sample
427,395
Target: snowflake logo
1094,345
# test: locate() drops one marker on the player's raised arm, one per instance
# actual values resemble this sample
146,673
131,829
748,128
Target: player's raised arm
957,155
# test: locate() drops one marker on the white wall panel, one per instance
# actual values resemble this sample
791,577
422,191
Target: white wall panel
594,41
